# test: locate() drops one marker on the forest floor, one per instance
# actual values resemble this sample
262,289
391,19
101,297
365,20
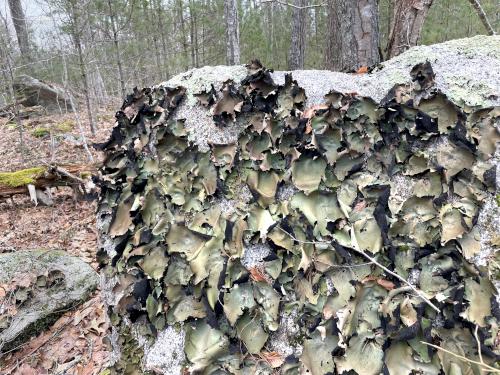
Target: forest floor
74,344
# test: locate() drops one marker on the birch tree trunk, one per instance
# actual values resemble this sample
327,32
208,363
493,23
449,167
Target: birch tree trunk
296,54
232,32
482,16
19,21
407,22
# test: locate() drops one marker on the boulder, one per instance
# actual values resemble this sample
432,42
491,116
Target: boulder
36,287
32,92
162,326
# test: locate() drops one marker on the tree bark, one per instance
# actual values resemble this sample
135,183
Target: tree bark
296,54
6,62
353,34
75,31
19,21
232,32
482,15
408,19
366,32
116,44
161,27
341,45
193,34
183,34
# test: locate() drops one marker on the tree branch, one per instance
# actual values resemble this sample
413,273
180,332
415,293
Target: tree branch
293,5
485,367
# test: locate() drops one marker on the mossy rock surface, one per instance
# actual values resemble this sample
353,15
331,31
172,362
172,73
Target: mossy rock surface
76,281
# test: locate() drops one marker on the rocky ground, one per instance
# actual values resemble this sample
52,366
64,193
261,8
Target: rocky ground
74,343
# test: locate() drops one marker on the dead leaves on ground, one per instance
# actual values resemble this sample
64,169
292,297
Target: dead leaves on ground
73,345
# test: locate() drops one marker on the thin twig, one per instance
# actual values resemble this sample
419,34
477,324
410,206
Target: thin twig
374,261
465,359
476,336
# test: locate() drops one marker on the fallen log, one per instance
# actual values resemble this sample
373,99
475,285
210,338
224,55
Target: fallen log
17,182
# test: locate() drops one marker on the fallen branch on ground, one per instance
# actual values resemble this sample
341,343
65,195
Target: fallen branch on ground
17,182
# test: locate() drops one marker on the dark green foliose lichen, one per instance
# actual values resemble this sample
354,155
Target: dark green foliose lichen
402,181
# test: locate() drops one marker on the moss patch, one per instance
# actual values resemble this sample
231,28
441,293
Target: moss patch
65,126
22,177
40,132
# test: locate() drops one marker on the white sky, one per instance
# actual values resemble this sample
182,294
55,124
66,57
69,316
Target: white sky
36,15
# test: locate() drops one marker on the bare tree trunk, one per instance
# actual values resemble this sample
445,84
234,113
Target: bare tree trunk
161,26
77,117
296,54
353,34
116,44
232,32
482,15
193,34
183,34
341,44
5,49
19,21
75,23
407,21
366,32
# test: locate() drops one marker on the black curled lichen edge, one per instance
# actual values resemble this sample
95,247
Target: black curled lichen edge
402,181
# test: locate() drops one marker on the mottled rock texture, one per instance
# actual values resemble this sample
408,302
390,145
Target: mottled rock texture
49,282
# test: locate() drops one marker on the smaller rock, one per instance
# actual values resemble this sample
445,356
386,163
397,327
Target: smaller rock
44,197
36,287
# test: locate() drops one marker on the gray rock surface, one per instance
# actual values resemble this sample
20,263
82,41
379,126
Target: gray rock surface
32,92
467,71
68,282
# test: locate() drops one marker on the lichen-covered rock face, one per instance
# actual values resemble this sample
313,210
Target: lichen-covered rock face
255,222
36,287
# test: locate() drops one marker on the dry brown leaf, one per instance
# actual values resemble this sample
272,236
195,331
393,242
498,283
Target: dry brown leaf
257,275
360,206
311,111
274,359
362,70
386,284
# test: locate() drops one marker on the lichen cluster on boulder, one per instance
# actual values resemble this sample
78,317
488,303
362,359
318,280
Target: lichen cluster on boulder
264,233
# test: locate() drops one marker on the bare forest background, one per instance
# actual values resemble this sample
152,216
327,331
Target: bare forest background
100,49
